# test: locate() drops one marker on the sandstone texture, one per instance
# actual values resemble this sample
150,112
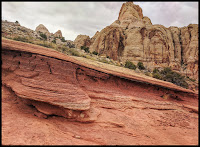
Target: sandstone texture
15,30
45,92
133,37
41,28
82,40
58,34
12,29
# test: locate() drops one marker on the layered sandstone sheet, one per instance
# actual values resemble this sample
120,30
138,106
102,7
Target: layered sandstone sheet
84,102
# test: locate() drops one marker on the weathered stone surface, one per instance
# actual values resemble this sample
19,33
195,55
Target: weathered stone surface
41,28
82,40
58,34
137,40
40,83
110,42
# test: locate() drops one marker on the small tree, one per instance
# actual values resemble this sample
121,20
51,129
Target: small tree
86,49
63,39
130,65
44,36
140,66
95,53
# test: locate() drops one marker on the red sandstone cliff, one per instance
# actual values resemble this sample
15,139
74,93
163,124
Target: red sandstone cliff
45,92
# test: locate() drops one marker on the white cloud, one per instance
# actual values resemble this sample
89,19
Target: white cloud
74,18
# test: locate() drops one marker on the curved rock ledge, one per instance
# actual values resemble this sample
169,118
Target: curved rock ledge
45,92
46,76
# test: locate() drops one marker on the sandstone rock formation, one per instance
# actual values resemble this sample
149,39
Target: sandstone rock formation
41,28
58,34
15,30
133,37
82,40
40,84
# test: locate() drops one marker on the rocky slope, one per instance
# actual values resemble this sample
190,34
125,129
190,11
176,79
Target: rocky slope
133,37
14,30
45,92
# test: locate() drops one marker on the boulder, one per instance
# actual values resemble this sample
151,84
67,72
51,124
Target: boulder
82,40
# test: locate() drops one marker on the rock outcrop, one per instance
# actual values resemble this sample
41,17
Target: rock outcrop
58,34
82,40
41,28
133,37
13,29
40,82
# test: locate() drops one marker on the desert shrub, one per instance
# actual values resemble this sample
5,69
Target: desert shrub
104,61
130,65
44,36
64,49
74,52
63,39
166,70
45,45
193,80
86,49
54,41
95,53
140,66
155,70
23,39
157,76
167,74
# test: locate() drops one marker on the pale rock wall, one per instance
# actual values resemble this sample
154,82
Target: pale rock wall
133,37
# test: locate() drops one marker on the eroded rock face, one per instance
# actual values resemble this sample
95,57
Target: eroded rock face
110,42
82,40
43,83
41,28
58,34
133,37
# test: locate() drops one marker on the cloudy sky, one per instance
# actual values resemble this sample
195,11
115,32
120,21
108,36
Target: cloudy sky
74,18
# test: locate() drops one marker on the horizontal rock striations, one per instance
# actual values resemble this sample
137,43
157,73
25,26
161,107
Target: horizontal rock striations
42,75
40,84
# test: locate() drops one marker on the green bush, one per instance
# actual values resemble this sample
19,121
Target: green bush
157,76
130,65
44,36
63,39
155,70
74,52
86,49
140,66
167,74
95,53
23,39
54,41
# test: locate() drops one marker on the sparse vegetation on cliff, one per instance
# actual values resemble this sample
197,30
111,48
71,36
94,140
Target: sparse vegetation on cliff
95,53
86,49
130,65
23,39
140,66
167,74
44,36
